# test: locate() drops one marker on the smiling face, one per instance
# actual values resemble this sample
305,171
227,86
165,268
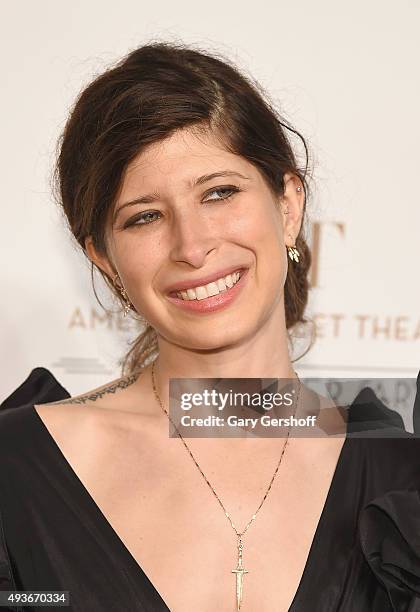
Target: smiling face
190,212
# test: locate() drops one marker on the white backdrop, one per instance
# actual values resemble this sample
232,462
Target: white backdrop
345,74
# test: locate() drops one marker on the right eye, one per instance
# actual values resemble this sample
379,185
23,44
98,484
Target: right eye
143,218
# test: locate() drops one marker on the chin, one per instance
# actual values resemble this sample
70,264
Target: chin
213,339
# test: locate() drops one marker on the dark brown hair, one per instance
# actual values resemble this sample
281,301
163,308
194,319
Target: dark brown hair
148,95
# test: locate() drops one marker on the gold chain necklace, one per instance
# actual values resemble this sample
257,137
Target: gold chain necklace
240,570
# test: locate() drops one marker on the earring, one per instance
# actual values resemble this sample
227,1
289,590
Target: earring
293,252
124,295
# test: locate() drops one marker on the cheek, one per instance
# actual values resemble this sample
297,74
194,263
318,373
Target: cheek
258,217
135,263
260,229
270,251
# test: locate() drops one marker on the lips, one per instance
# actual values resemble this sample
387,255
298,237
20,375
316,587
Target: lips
198,282
221,301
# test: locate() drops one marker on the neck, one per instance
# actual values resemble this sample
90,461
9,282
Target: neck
264,354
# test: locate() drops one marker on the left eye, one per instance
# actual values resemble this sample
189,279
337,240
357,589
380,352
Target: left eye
223,192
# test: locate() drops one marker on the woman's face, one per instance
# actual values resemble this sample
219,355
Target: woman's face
188,210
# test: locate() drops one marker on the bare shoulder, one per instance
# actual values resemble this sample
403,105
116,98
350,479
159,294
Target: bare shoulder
99,409
106,392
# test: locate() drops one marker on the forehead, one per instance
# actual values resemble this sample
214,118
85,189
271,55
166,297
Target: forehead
179,158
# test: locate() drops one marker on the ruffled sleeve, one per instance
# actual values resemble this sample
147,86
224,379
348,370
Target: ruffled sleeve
389,530
40,387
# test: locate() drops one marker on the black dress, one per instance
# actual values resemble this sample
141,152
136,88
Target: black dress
364,557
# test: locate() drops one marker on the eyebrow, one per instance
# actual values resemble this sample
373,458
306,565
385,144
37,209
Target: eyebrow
152,197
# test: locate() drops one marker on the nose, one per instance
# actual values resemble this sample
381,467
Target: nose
193,237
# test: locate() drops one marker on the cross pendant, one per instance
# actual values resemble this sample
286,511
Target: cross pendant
239,571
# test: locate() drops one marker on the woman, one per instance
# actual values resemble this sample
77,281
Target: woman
175,173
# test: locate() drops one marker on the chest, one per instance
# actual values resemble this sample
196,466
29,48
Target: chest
169,520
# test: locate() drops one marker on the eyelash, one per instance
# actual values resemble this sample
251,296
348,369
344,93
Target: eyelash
229,188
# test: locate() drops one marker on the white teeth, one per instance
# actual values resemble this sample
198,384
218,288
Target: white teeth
201,293
213,288
229,281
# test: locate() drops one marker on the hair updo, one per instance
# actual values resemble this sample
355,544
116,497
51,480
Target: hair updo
148,95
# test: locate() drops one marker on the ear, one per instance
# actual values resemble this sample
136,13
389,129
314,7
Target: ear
292,202
99,259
